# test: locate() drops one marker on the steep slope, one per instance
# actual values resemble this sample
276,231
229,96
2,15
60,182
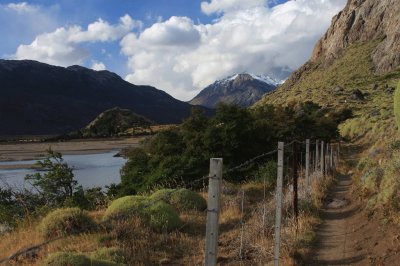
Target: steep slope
355,65
114,122
37,98
241,89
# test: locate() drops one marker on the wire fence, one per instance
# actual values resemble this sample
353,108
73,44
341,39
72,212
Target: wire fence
300,165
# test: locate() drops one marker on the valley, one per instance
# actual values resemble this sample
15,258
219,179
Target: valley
251,171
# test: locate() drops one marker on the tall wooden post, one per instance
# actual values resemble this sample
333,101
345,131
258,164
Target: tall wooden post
295,164
316,155
278,195
326,159
331,159
307,173
322,166
213,208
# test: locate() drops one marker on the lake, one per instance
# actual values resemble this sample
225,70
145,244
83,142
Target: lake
90,170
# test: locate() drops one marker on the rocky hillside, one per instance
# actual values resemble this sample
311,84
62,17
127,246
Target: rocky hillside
355,65
115,122
37,98
241,89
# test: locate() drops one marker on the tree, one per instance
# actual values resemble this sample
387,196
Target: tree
57,183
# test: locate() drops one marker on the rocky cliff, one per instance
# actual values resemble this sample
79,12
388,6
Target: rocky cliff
355,65
359,22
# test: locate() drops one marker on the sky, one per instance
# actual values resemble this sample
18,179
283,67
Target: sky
179,46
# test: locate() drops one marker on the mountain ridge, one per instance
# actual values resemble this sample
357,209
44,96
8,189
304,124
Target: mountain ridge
37,98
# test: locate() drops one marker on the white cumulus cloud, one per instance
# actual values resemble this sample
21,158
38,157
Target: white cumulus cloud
62,46
182,57
218,6
98,66
22,7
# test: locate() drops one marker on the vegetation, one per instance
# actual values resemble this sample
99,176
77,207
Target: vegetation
181,199
53,187
181,155
113,254
397,105
116,122
57,183
66,221
75,259
334,86
158,215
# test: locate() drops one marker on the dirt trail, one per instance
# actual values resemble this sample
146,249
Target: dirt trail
335,241
350,234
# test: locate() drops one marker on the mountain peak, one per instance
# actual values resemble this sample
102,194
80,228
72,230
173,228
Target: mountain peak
249,76
242,89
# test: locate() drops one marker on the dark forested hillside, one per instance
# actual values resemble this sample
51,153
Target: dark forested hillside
37,98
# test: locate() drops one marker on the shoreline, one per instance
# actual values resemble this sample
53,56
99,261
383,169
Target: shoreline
10,152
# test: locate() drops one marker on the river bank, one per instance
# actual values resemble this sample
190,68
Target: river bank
22,151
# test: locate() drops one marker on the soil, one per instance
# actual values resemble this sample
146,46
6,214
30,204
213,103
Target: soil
352,235
36,150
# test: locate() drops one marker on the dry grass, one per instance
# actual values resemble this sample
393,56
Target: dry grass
251,244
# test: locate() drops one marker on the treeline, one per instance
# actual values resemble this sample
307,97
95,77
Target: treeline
182,154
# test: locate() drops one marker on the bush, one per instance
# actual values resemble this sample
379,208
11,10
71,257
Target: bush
74,259
397,105
156,214
66,221
161,216
181,199
114,254
125,207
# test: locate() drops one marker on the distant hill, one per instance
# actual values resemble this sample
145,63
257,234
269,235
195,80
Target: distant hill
37,98
241,89
115,122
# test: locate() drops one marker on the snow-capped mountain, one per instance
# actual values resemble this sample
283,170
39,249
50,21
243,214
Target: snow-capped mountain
242,89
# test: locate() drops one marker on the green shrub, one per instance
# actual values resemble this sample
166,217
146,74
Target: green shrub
114,254
126,206
182,199
65,222
162,194
74,259
161,216
372,179
397,105
155,213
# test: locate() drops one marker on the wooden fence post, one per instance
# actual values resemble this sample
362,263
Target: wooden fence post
331,159
278,195
326,149
326,159
213,208
316,155
295,164
322,166
307,167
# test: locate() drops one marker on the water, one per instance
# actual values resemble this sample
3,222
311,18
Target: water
90,170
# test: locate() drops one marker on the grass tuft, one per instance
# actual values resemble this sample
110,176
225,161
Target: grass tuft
67,221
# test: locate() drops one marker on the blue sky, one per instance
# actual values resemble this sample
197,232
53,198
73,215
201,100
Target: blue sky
179,46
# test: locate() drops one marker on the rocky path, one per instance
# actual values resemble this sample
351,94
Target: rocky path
350,233
335,241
